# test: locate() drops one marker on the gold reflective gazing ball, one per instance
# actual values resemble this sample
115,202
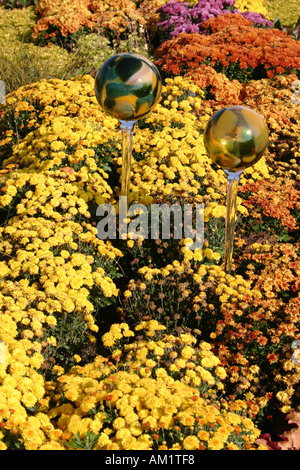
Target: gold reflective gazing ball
235,138
128,86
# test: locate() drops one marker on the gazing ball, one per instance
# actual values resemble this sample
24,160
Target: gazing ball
128,86
235,138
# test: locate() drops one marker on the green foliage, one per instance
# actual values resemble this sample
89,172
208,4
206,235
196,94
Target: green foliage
287,11
87,443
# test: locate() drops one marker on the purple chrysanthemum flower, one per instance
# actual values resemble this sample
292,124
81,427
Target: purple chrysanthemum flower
180,17
256,18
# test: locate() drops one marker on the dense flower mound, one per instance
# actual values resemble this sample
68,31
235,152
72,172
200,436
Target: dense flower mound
60,20
129,402
287,16
236,49
55,271
174,163
255,6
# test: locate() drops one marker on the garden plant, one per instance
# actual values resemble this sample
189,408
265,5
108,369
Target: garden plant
141,343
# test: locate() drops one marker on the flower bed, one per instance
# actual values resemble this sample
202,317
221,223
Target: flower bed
145,344
177,17
234,48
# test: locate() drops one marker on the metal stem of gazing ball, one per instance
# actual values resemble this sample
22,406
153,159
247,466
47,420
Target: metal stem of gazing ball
232,189
127,135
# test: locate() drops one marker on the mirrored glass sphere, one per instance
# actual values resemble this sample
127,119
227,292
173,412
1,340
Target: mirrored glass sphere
235,138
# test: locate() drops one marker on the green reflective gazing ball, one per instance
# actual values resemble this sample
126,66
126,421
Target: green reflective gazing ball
128,86
235,138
